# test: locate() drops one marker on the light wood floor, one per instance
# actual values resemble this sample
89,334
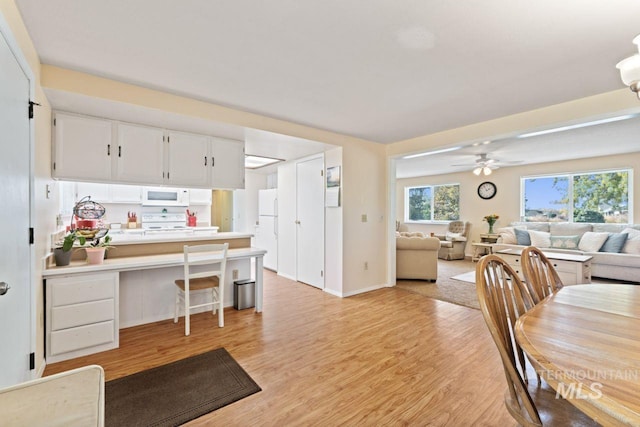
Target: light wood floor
387,357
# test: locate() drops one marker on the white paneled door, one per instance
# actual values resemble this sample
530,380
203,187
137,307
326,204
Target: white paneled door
310,222
15,264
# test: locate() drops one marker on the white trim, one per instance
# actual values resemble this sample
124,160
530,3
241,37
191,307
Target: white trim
365,290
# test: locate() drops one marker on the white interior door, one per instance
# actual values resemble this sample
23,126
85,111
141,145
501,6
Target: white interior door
310,222
15,263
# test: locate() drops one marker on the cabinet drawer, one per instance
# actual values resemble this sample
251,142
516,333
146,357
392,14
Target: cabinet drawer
85,313
568,267
83,288
82,337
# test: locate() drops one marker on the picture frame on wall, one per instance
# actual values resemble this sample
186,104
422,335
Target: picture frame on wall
333,187
333,177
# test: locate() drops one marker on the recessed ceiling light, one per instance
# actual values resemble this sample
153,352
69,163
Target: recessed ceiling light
255,162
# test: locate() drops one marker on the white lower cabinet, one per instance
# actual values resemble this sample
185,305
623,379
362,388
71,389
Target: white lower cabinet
81,315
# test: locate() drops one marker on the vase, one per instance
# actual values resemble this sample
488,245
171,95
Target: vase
490,228
95,255
62,257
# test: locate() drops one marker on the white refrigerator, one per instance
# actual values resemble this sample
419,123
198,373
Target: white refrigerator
267,227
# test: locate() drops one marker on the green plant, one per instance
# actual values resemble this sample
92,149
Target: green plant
69,239
101,242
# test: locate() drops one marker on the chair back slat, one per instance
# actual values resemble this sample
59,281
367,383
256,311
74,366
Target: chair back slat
214,255
503,299
540,276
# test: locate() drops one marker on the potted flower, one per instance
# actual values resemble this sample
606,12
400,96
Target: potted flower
491,219
62,252
96,249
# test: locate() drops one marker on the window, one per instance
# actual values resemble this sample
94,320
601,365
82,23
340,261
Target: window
432,203
582,197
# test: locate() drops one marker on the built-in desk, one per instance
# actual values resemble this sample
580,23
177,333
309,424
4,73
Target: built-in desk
87,304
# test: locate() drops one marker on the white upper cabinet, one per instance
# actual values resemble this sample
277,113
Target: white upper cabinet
227,163
97,150
83,148
188,159
139,154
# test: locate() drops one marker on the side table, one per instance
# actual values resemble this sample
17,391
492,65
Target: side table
489,238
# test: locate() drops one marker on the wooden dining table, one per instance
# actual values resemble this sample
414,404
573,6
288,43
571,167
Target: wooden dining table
584,341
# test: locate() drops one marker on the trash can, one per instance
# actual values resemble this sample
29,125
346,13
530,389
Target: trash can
244,294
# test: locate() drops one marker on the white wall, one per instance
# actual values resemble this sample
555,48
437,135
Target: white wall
364,176
506,203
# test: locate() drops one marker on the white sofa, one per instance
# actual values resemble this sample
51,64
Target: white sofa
583,238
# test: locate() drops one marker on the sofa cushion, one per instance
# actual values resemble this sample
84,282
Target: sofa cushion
540,239
569,228
564,242
417,243
409,234
591,241
614,242
632,245
522,237
538,226
609,227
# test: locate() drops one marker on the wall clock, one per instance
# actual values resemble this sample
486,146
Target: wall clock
487,190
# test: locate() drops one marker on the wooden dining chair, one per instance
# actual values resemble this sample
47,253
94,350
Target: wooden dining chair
210,276
503,299
539,273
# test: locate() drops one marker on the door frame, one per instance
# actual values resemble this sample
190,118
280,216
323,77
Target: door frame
16,50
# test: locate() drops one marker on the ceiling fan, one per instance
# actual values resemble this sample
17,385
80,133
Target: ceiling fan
485,165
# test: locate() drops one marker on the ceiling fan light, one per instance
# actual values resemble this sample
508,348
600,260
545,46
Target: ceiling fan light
629,69
477,171
486,170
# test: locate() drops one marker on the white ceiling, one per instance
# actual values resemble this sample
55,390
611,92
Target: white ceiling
381,70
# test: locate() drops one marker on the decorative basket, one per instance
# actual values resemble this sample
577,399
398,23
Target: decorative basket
88,209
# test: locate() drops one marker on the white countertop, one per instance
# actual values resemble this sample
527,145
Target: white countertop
141,236
141,262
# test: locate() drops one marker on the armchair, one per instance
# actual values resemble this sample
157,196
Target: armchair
416,257
454,242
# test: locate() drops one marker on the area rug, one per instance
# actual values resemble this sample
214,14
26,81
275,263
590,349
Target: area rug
173,394
446,287
466,277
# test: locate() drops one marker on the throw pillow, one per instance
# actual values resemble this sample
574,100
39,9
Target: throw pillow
452,236
540,239
632,245
522,237
591,241
565,242
507,235
614,242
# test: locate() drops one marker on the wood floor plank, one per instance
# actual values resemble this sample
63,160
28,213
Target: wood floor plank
388,357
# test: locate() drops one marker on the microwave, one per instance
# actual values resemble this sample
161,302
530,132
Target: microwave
164,196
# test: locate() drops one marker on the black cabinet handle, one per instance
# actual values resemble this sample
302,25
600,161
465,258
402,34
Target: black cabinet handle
205,160
108,149
119,150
